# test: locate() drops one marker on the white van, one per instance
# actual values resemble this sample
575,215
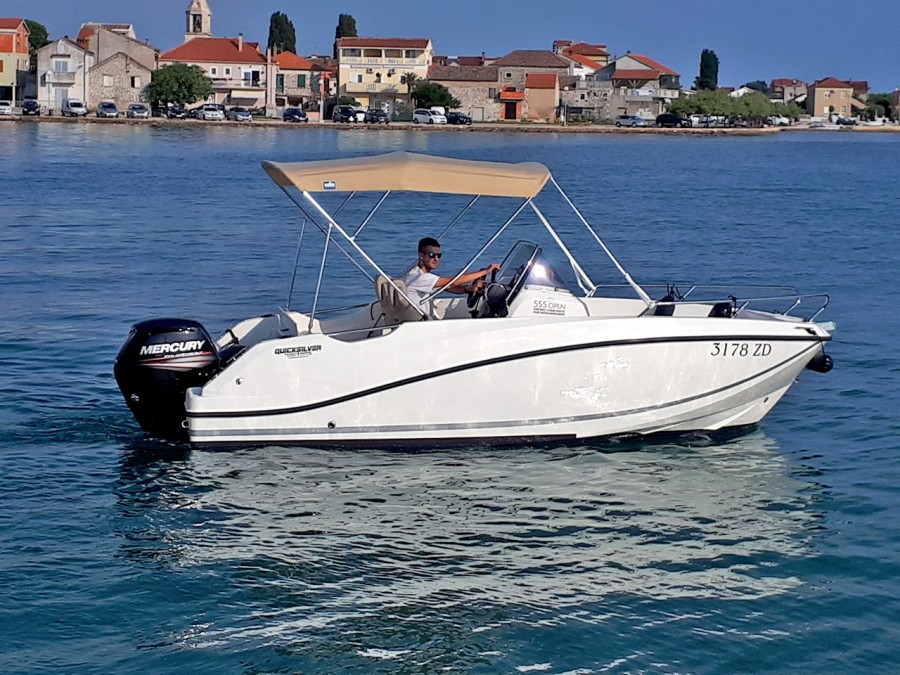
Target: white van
74,107
428,117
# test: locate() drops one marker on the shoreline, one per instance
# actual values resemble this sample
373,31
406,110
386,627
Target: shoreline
483,127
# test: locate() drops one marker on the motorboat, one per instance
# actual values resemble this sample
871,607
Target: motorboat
532,357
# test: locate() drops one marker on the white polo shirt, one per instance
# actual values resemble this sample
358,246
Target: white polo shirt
419,285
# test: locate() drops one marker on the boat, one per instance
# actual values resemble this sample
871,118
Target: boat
533,357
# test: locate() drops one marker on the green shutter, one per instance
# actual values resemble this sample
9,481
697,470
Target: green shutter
301,81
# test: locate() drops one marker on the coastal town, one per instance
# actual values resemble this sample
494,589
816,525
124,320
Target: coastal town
105,71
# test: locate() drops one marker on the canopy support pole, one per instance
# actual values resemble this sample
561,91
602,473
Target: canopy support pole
296,264
631,282
580,275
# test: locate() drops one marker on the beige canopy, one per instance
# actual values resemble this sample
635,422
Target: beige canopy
413,172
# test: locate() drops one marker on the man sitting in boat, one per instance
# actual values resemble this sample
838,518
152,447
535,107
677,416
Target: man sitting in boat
421,281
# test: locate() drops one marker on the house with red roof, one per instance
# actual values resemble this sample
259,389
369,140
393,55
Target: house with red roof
786,89
240,73
297,80
237,68
832,98
541,97
14,58
374,70
633,84
586,59
513,71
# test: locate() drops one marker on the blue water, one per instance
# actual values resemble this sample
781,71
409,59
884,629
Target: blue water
771,550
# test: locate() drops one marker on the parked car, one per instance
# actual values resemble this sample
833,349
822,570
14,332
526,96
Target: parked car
73,107
343,113
107,109
137,111
458,118
846,121
31,107
176,112
425,116
630,121
239,114
257,112
6,108
778,121
670,120
376,116
294,115
211,112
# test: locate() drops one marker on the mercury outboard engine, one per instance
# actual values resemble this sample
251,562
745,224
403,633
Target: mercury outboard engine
159,362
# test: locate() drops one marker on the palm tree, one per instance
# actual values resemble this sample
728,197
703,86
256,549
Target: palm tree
410,80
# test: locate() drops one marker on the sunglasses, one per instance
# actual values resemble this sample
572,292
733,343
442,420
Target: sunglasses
433,255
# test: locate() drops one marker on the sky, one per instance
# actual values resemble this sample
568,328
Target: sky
754,39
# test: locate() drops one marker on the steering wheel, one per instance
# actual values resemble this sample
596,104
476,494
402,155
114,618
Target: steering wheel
475,299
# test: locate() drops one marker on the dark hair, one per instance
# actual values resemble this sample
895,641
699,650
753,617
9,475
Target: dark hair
425,242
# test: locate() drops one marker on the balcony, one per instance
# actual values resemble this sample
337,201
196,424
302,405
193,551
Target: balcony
60,77
375,88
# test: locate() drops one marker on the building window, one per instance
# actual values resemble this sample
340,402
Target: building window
492,92
136,82
411,53
843,110
508,76
843,94
60,66
227,72
356,77
107,80
213,70
827,94
351,53
301,81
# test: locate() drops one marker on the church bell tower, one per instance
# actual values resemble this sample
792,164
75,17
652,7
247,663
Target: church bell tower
199,20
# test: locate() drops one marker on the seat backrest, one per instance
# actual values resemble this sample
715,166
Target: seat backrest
396,308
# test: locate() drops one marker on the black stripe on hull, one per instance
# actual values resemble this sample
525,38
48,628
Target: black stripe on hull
489,362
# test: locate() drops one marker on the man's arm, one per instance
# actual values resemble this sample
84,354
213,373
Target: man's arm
462,285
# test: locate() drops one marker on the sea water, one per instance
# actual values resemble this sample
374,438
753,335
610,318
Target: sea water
774,549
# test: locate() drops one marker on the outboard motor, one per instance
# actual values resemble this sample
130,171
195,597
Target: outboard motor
159,362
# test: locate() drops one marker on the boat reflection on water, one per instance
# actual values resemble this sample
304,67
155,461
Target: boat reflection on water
322,536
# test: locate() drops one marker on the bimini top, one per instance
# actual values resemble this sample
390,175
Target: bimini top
412,172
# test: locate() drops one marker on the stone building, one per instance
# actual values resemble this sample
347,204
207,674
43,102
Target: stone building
123,65
475,87
119,79
294,80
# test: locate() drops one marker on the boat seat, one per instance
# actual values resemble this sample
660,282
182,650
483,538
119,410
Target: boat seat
395,308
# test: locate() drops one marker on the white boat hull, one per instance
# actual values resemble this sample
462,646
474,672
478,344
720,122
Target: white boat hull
496,380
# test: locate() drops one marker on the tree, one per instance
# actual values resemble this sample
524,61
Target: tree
411,80
757,85
178,84
708,79
37,38
282,36
429,94
879,105
346,27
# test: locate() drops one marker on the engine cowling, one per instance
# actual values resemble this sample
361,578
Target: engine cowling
159,362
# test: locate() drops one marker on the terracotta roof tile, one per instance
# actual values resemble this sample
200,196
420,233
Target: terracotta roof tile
290,61
541,81
833,83
650,63
585,61
636,74
532,58
568,81
215,50
409,43
586,49
787,82
10,24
